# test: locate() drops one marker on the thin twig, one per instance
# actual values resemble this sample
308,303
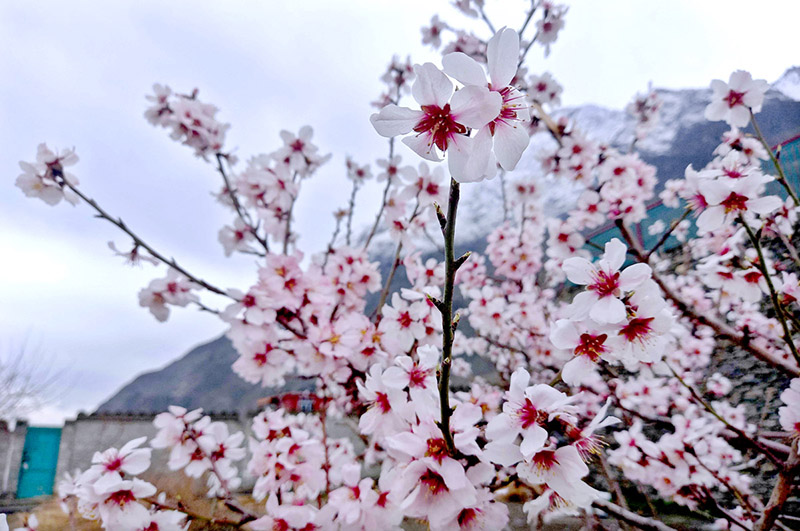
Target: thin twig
742,435
762,265
395,264
486,19
527,49
781,176
448,225
630,517
503,193
388,284
243,215
289,215
141,243
722,329
528,18
665,236
351,207
389,181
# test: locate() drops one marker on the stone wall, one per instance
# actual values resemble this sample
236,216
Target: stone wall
87,434
11,444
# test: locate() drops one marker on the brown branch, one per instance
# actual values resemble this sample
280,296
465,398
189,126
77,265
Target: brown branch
773,294
389,179
448,225
243,215
754,444
630,517
665,236
723,330
141,243
780,492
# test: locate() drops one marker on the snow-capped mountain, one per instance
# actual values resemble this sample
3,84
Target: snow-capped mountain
789,83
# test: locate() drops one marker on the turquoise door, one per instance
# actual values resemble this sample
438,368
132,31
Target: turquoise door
37,472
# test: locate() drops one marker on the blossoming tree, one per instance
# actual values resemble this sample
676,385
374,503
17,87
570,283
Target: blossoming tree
602,387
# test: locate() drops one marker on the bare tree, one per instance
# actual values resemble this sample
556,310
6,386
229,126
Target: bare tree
27,382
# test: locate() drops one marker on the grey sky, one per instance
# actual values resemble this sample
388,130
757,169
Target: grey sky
75,74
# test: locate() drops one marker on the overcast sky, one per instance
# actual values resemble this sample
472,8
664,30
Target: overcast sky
75,74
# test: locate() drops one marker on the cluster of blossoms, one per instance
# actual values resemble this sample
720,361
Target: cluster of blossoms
197,446
46,179
644,110
189,120
494,109
543,366
620,318
110,492
174,289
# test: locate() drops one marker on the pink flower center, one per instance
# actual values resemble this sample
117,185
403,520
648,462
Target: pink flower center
545,460
382,499
698,202
468,517
434,482
637,328
383,402
114,465
508,112
605,284
733,173
417,376
530,415
439,123
735,98
404,320
734,203
121,497
752,277
219,453
591,346
436,449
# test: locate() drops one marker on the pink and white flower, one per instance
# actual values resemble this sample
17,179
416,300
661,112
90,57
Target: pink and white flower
560,469
733,101
605,283
526,410
510,136
729,198
130,459
443,122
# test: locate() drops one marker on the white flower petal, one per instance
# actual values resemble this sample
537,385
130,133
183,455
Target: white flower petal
464,68
475,106
615,254
393,120
432,86
510,142
608,310
423,146
502,54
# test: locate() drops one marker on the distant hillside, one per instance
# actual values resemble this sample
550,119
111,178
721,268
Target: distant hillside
201,378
